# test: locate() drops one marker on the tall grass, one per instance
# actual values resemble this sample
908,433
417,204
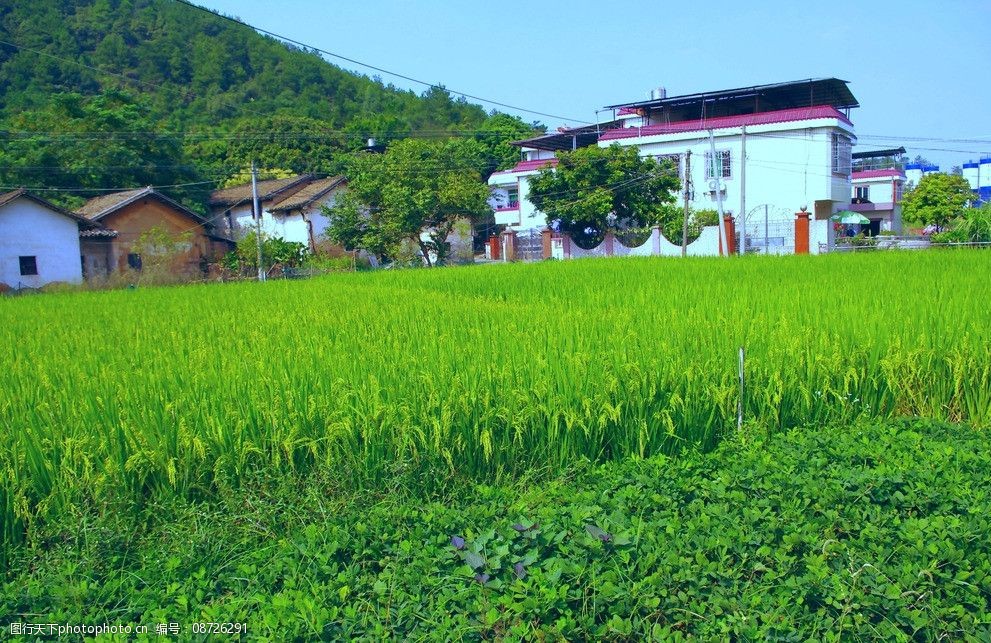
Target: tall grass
486,372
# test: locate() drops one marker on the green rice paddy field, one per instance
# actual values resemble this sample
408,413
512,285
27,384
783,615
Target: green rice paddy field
489,375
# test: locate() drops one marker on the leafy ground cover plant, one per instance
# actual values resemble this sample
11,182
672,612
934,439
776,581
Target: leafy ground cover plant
872,531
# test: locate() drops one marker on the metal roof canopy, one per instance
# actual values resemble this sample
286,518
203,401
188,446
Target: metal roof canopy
568,139
749,100
895,151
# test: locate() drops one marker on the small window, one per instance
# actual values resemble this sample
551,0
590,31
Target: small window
842,149
721,168
864,193
513,197
29,266
134,261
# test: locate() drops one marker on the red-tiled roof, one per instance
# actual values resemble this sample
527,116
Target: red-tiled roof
761,118
530,166
877,174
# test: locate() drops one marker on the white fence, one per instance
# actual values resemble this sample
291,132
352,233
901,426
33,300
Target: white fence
706,245
771,237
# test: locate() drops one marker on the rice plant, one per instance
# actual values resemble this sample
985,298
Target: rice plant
486,372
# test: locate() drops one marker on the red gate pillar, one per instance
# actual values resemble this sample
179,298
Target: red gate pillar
545,243
730,228
494,247
802,233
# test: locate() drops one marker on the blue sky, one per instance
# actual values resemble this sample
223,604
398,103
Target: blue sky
920,70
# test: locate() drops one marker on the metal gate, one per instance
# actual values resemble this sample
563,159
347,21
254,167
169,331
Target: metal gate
529,245
770,230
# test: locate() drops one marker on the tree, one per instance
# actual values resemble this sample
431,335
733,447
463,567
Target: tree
973,226
496,134
384,128
594,190
88,145
296,143
936,200
416,186
672,221
276,251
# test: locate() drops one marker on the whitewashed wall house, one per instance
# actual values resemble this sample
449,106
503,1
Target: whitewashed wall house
39,242
291,209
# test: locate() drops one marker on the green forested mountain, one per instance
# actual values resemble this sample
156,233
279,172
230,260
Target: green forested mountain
112,93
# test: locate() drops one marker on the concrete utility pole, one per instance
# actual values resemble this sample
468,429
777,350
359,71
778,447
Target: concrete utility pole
716,183
688,196
256,211
743,192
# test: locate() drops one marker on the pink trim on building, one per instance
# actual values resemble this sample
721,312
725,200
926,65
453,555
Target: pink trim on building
722,122
877,174
508,208
527,166
872,207
626,111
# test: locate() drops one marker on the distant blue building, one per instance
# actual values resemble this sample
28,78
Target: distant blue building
915,171
978,174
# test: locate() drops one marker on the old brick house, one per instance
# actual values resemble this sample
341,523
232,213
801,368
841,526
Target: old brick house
126,216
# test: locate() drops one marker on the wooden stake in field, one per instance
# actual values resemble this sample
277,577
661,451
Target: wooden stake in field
739,404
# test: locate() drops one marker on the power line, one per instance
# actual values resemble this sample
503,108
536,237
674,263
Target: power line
379,69
109,190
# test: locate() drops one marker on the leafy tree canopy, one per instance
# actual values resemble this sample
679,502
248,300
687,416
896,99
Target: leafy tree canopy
85,145
496,134
415,186
224,93
596,189
937,199
296,143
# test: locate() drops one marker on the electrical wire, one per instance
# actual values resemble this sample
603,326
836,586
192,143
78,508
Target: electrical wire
378,69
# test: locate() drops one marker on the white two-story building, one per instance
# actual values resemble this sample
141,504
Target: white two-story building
510,188
762,153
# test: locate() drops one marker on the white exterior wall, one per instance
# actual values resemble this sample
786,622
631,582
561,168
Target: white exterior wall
239,221
318,220
914,174
879,190
972,175
291,228
530,217
526,217
820,236
30,229
789,165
